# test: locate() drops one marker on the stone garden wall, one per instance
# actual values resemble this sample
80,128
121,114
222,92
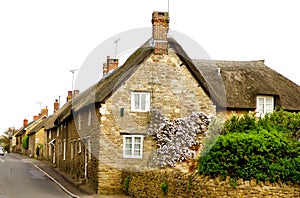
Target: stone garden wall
149,184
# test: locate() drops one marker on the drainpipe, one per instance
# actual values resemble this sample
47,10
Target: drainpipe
51,143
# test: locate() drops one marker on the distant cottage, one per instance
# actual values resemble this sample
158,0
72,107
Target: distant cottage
103,131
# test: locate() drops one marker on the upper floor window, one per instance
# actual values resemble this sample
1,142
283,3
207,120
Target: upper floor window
133,146
79,121
140,101
90,118
264,105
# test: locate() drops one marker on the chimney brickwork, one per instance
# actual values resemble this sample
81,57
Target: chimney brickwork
56,105
110,64
160,29
25,122
69,97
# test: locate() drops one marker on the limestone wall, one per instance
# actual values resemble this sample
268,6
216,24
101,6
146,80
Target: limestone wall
148,184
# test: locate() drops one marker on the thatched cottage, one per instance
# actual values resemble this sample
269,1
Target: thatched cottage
103,130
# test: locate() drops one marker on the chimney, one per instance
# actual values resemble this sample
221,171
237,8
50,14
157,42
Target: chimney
56,105
69,97
35,117
76,92
160,28
44,112
110,64
25,122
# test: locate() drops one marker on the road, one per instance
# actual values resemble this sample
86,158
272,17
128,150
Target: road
20,178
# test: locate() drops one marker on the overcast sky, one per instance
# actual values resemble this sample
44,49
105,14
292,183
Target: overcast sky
41,41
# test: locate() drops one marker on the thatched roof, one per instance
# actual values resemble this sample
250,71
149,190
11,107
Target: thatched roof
236,87
244,80
29,126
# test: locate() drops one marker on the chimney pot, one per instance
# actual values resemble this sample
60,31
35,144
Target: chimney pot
35,117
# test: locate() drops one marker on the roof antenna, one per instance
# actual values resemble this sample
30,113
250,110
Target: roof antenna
116,42
169,7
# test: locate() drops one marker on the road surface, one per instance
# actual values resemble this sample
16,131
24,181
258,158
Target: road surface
20,178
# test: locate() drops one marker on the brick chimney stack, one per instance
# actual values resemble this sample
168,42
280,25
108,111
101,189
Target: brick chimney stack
76,92
56,105
160,29
69,97
44,112
35,117
110,64
25,122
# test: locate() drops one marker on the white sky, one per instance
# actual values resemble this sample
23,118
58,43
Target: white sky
41,41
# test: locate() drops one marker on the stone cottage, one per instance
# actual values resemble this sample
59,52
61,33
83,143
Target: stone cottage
103,131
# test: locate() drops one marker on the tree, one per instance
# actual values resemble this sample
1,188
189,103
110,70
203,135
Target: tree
5,139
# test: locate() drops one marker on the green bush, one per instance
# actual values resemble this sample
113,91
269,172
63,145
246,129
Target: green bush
252,148
25,142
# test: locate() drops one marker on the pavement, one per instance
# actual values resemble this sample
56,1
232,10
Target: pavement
64,181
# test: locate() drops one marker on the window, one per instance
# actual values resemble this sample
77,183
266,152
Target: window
140,101
49,135
90,118
72,149
57,132
264,104
133,146
79,146
65,145
79,121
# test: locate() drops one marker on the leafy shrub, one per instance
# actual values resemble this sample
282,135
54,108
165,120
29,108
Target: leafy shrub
164,187
126,185
25,142
252,148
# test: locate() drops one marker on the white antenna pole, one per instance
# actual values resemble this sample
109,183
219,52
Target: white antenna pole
169,7
40,104
73,71
116,42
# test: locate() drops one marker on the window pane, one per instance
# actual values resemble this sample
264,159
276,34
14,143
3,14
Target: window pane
143,101
137,140
128,146
137,152
269,108
136,101
269,100
137,146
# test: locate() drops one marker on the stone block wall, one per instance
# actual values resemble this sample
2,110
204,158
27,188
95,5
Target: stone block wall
148,184
174,94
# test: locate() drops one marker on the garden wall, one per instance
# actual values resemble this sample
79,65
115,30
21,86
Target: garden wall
148,184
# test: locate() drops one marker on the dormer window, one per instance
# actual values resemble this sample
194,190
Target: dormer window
264,105
140,101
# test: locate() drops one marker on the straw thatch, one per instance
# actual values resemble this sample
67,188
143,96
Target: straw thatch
244,80
237,85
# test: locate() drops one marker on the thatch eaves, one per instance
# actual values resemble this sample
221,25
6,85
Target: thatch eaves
229,84
244,80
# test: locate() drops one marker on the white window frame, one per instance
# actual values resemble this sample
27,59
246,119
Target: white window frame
65,145
138,107
79,145
79,121
57,132
89,148
264,108
72,152
49,135
133,137
89,118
